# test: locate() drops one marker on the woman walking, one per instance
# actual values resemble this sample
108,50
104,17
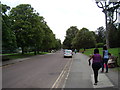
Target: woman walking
105,59
96,64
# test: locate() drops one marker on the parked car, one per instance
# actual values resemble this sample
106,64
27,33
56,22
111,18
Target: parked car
68,53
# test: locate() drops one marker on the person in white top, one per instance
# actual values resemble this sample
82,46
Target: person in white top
105,59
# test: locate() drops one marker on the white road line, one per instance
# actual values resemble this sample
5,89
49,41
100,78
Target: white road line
67,74
55,85
103,81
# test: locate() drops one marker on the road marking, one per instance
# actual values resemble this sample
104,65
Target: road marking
58,80
103,81
54,85
67,74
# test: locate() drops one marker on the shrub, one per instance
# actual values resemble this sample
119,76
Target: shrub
99,45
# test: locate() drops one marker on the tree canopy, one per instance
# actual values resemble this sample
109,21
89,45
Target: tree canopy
84,39
70,35
27,29
8,36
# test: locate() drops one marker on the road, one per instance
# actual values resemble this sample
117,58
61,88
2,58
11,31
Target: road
53,71
37,72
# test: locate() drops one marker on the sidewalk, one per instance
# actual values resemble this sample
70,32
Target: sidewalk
114,76
81,75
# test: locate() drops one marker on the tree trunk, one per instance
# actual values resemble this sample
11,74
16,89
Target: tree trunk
107,41
35,53
23,50
84,49
37,50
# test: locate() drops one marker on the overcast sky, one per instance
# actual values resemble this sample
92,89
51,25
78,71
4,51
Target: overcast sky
61,14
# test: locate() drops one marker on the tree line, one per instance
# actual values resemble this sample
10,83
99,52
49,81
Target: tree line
23,27
84,38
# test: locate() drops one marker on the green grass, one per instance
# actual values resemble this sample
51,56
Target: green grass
91,51
113,51
9,54
16,56
116,69
19,55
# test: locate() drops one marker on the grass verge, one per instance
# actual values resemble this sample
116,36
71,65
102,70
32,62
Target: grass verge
19,55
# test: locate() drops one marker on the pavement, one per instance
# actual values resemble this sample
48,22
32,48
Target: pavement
81,74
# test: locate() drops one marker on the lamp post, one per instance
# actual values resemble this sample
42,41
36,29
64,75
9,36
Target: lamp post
104,6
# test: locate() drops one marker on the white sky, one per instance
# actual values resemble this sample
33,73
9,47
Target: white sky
61,14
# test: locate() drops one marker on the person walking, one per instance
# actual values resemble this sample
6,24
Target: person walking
96,64
105,59
75,51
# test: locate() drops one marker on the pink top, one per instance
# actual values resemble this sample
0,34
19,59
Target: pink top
96,58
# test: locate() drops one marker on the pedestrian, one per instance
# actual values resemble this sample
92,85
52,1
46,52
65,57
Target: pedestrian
75,51
111,56
112,62
96,64
105,59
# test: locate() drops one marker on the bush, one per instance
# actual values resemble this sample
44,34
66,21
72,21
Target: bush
99,45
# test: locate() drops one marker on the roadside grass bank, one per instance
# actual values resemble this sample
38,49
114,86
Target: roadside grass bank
12,56
114,51
116,69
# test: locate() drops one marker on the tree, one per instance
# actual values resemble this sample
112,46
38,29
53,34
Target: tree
36,34
112,9
100,35
113,35
118,35
8,36
84,39
109,9
57,44
70,35
26,24
112,18
48,42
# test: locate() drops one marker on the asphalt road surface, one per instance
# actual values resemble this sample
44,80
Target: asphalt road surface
53,71
36,72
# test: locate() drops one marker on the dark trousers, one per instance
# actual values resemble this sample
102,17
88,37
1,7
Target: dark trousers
96,67
106,64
